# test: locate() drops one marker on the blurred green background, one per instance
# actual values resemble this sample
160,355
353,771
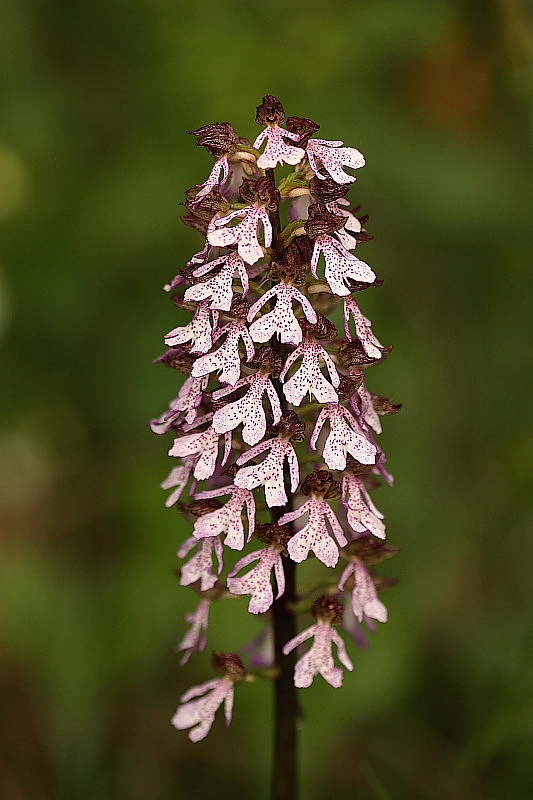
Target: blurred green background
96,98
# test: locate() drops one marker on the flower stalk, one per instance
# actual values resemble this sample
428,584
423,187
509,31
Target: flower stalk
275,405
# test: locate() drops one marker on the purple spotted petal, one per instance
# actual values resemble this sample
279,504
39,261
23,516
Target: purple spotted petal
228,519
200,565
256,582
280,321
308,378
319,658
332,157
198,713
364,598
341,265
196,637
277,151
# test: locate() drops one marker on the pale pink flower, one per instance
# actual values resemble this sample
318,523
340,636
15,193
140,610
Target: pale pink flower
309,378
198,331
248,410
244,235
196,637
363,329
200,566
314,535
364,598
277,151
178,479
362,514
345,436
226,358
368,412
269,473
256,582
281,320
204,445
220,166
331,156
341,265
352,224
319,659
219,288
198,712
228,518
183,406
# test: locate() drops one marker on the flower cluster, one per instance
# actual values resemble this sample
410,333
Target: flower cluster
274,408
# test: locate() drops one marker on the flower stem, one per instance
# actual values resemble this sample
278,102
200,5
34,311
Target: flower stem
286,706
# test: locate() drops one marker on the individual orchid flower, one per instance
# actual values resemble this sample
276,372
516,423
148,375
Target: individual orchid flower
220,140
227,519
341,265
226,358
345,436
199,331
204,445
277,151
178,479
308,378
220,166
195,638
363,329
248,410
368,413
200,567
219,288
315,536
281,320
372,406
364,598
352,223
263,196
362,514
200,704
269,473
319,659
332,157
185,405
256,582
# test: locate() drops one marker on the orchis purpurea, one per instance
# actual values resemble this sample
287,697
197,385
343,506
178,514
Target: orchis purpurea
274,400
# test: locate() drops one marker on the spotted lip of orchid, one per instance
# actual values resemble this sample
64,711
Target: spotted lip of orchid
281,320
200,704
364,598
277,151
319,658
276,414
227,519
219,287
332,157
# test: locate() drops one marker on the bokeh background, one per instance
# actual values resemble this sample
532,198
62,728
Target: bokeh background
96,98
